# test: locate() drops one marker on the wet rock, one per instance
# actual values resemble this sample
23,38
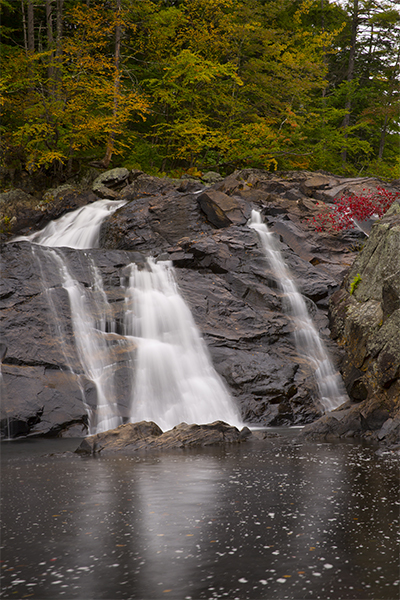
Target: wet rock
145,435
38,400
233,295
365,319
22,213
44,391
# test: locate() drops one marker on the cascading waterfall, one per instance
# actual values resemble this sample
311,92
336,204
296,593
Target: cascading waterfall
92,343
173,379
308,342
78,229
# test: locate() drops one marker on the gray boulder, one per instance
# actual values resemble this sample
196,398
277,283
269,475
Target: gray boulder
108,183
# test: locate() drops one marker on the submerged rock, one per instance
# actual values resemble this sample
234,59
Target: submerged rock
146,435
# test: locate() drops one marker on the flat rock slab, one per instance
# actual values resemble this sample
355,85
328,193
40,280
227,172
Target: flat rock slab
146,435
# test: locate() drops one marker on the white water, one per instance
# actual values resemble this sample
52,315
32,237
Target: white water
173,379
92,343
308,342
77,229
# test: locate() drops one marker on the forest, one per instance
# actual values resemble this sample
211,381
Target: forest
183,86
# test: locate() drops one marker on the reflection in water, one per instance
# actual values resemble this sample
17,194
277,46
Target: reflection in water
278,519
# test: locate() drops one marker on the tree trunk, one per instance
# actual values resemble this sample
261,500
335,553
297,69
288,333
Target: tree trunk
24,26
350,72
50,38
111,140
31,27
393,80
60,6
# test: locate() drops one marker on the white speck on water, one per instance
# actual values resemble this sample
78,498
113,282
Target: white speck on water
243,580
263,581
276,552
281,580
272,515
328,566
316,574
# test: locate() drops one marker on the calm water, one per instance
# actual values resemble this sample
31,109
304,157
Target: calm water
277,519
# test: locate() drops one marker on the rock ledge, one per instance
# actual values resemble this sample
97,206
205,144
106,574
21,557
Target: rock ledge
146,435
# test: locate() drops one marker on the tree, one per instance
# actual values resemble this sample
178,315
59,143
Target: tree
364,79
85,102
175,84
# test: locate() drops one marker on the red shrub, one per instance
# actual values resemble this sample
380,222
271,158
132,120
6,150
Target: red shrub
350,207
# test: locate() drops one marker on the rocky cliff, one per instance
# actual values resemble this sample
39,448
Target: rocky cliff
224,277
365,320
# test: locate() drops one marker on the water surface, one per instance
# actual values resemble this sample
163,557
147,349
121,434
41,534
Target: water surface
271,520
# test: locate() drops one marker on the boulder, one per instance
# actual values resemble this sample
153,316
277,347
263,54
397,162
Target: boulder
221,210
113,178
211,177
108,184
147,436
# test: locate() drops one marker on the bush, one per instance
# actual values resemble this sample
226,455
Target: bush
352,207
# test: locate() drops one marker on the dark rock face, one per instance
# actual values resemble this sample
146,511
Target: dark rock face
146,435
44,390
223,276
365,319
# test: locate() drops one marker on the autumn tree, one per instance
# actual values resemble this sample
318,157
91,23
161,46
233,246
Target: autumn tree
59,105
176,84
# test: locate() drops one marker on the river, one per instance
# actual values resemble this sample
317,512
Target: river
273,519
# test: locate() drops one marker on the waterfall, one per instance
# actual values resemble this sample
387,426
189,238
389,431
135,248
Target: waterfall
174,377
171,375
77,229
308,342
93,344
